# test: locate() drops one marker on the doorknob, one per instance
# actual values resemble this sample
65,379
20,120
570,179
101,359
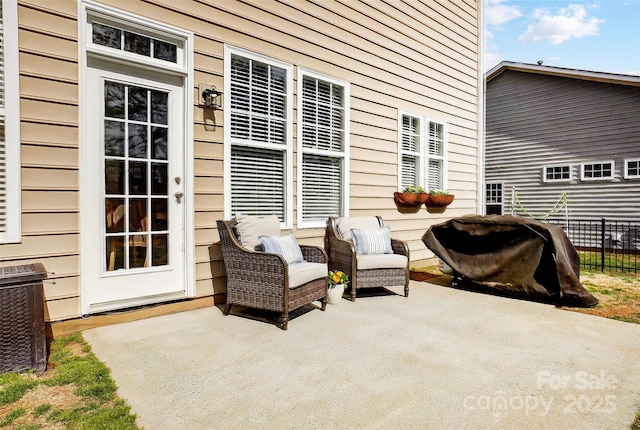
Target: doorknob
179,195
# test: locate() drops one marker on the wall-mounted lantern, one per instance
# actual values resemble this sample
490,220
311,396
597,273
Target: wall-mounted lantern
210,97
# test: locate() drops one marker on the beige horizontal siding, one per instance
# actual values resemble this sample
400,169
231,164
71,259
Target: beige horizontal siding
421,57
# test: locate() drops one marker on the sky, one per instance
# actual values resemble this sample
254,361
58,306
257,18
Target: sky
594,35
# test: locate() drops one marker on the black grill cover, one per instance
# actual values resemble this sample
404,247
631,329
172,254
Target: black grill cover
520,256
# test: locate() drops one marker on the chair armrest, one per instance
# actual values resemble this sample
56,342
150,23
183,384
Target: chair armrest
341,253
400,247
314,254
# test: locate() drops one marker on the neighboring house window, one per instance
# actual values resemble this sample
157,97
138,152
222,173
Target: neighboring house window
410,150
436,156
10,205
556,173
494,198
595,171
632,168
258,163
323,143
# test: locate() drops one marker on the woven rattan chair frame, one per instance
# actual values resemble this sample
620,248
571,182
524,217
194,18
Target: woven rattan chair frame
260,280
342,256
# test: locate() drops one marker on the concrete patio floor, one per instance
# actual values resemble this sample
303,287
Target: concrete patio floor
440,359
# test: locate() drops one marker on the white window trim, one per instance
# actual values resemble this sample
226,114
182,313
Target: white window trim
626,168
11,114
141,25
607,178
445,152
420,154
300,150
544,173
228,142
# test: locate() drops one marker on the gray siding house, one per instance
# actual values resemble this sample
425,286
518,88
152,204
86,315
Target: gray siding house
562,143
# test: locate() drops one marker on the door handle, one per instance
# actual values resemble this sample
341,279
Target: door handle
179,195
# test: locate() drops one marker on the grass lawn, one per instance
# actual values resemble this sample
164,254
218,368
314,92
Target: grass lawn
77,391
619,296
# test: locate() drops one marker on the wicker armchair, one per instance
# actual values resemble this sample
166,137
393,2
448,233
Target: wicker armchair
389,270
265,281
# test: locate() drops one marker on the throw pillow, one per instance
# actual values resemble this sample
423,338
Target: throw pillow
249,228
372,241
285,246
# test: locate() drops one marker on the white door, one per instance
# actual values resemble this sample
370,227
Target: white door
132,209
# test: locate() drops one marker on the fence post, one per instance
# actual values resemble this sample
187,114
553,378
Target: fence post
602,244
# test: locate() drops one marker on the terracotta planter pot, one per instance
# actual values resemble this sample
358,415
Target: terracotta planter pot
410,199
440,199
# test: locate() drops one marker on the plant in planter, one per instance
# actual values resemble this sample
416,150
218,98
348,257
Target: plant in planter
337,282
439,198
411,196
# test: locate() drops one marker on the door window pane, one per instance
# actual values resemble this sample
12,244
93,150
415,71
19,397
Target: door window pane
138,215
137,177
114,100
114,138
137,141
114,212
159,179
159,214
159,141
114,176
159,100
160,249
115,253
137,104
137,251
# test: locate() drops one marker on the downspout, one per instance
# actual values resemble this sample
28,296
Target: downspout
481,203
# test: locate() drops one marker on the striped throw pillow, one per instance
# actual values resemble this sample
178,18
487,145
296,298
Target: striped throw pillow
372,241
285,246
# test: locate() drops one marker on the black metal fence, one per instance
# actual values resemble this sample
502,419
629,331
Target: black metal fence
604,245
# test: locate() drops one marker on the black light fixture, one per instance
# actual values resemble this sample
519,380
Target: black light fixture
211,97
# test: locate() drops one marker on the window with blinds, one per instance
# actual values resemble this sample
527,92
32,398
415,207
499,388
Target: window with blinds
436,156
422,152
258,136
323,145
410,151
9,124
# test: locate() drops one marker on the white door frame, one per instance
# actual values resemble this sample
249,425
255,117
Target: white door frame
184,69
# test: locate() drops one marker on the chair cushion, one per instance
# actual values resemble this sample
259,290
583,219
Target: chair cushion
285,246
249,228
301,273
381,261
376,241
346,224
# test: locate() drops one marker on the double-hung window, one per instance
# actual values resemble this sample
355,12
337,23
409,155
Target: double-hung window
323,146
258,165
410,150
436,155
9,124
422,152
